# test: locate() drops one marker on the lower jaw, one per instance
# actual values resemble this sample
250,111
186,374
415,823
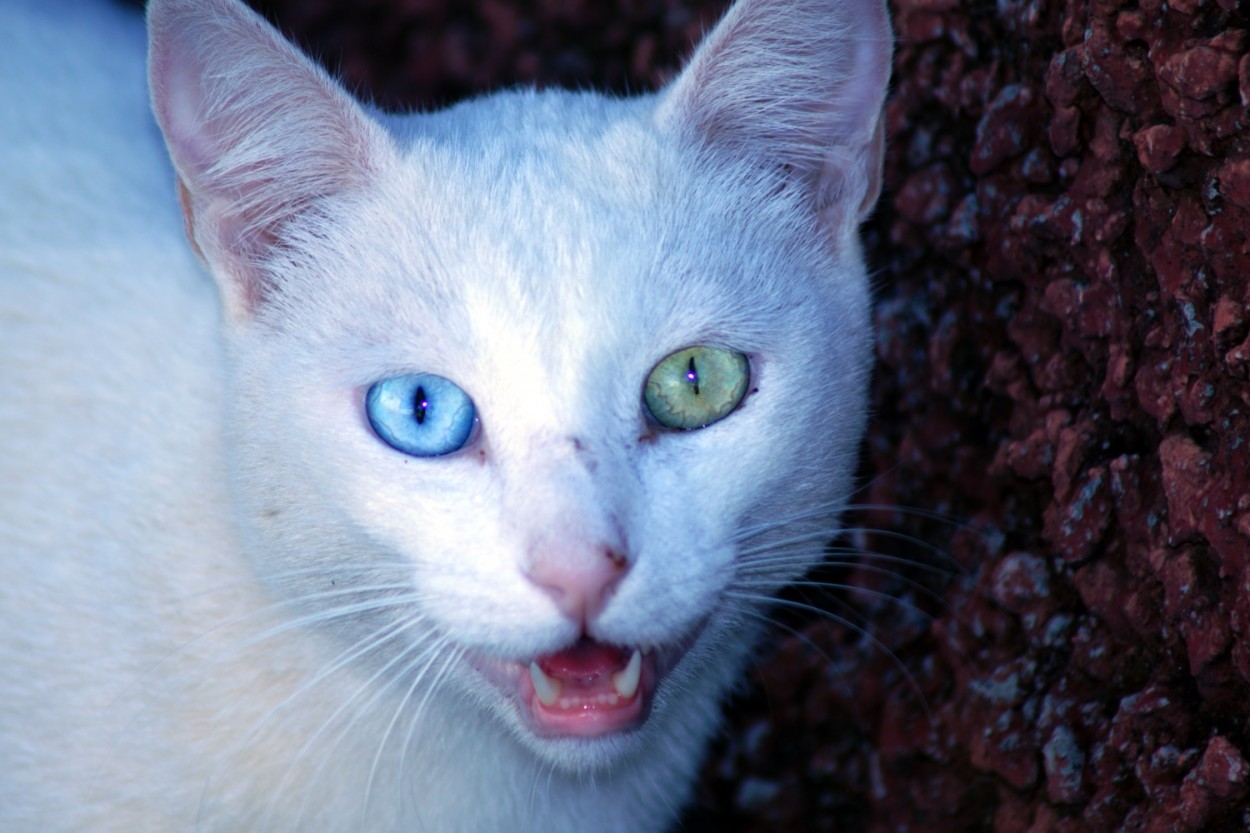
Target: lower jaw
587,721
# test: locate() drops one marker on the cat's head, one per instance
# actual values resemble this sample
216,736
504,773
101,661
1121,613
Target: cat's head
537,399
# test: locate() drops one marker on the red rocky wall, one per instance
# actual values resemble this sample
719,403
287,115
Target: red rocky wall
1062,405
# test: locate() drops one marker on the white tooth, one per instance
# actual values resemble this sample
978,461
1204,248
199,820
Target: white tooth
626,681
547,689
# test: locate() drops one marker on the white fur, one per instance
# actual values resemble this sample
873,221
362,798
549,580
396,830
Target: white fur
225,604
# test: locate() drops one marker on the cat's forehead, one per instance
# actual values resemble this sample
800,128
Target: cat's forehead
575,201
556,232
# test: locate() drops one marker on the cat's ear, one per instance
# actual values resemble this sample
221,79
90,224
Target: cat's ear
257,133
798,83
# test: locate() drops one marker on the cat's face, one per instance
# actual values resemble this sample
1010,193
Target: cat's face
538,400
546,285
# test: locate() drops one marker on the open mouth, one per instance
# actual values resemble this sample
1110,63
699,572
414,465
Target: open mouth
589,689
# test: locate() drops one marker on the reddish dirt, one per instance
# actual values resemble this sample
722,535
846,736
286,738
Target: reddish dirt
1062,406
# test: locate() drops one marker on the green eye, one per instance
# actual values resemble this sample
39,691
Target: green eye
696,386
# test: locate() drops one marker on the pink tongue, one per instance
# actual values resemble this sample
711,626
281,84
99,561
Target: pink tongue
584,664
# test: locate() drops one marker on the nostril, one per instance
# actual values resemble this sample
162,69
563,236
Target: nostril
618,559
581,585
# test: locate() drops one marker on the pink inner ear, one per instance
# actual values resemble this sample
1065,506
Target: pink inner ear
179,102
800,82
195,142
188,217
256,131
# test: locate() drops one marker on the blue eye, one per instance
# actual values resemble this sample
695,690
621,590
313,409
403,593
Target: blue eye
421,414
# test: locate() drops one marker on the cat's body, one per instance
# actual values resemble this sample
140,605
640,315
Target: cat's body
226,603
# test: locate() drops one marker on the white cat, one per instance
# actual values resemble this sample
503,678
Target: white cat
454,500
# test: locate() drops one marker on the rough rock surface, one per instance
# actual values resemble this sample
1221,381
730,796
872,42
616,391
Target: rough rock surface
1062,412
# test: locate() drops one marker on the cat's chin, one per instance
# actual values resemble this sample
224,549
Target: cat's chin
589,690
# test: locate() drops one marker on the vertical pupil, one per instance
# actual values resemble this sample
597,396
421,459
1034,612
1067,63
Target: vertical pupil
692,375
420,405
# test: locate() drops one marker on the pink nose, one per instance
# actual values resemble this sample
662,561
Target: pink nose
581,586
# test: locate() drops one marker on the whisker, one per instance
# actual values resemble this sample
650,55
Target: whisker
911,511
256,613
331,572
762,561
814,537
348,703
364,707
820,517
826,511
795,632
372,605
439,645
544,766
842,620
936,552
340,661
143,678
859,589
850,556
449,661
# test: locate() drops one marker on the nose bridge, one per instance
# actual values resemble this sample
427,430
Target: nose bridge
574,547
574,467
566,500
